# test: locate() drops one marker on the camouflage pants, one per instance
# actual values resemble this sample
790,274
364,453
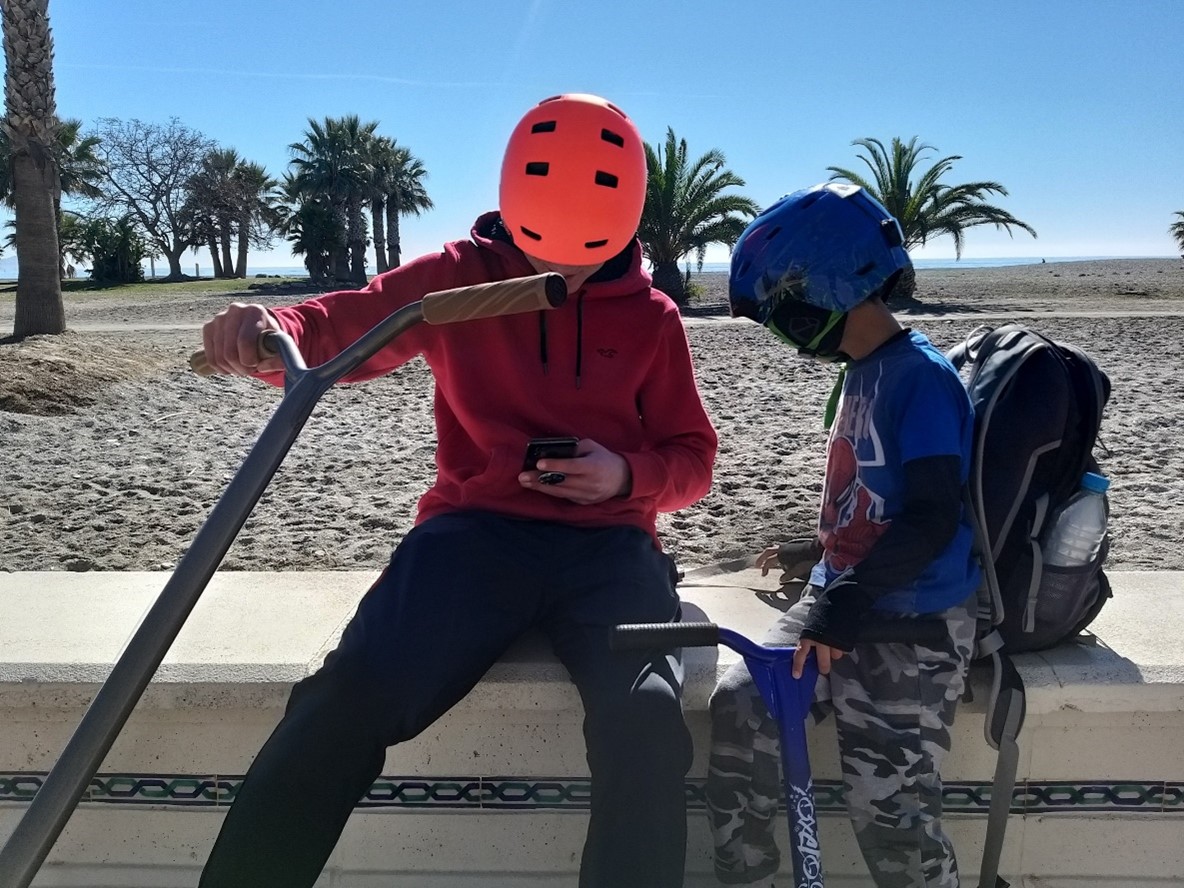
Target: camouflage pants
893,706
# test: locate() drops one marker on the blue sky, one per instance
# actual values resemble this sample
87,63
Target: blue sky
1075,106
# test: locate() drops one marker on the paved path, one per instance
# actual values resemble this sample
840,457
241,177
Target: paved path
161,326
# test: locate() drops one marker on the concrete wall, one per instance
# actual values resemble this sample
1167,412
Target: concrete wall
496,792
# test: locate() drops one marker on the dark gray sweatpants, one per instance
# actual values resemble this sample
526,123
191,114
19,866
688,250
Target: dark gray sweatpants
459,589
894,706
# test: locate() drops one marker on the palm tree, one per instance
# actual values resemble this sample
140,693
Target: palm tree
381,165
686,210
211,206
256,215
331,164
1177,231
313,227
31,127
80,169
922,205
407,196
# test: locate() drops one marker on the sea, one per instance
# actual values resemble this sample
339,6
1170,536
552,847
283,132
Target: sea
723,267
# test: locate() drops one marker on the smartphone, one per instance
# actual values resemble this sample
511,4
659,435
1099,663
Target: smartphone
553,448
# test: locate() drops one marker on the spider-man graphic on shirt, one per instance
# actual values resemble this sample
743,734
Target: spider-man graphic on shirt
901,403
852,516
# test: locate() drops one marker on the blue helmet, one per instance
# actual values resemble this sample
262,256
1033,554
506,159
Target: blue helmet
831,246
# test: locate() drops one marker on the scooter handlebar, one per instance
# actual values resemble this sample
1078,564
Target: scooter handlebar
537,292
639,636
266,346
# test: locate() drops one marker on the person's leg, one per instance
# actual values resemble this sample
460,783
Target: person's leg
638,746
443,611
894,707
744,785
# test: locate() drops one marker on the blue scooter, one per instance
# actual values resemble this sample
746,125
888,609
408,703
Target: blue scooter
788,700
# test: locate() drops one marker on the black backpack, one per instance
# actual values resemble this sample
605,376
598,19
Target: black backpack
1038,407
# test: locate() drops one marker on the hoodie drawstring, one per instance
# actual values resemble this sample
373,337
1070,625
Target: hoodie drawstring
579,339
579,335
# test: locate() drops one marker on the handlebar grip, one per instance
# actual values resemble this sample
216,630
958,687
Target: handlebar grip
640,636
198,364
535,293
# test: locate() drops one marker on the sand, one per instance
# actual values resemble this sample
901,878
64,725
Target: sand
112,452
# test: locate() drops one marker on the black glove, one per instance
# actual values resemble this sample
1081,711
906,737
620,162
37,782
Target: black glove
838,613
798,557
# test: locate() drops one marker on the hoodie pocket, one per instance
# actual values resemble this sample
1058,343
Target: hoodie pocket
498,480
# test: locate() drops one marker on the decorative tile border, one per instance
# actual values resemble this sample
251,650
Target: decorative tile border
574,794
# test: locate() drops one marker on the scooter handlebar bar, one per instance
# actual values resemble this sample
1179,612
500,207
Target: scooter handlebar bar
534,293
639,636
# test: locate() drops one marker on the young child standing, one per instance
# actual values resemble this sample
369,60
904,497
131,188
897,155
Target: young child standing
893,543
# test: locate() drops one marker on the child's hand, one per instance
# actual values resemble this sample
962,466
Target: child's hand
766,560
824,653
798,557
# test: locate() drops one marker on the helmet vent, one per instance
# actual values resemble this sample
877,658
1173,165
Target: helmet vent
537,168
543,126
613,138
773,232
530,234
592,245
608,180
865,268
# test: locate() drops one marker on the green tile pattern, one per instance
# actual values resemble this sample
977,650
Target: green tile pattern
574,793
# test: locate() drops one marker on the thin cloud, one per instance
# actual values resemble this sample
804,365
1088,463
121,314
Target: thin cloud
274,75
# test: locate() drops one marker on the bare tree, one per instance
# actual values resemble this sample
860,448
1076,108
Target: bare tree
31,126
149,169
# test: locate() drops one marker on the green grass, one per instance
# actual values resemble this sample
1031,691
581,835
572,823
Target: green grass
150,290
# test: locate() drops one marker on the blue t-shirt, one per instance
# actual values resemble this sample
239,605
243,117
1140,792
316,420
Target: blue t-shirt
903,402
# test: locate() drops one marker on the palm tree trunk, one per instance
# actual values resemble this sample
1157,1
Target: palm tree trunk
224,241
393,247
340,262
215,261
376,213
31,126
668,279
244,229
356,237
39,307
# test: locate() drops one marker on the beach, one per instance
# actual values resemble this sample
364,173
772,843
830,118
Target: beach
114,451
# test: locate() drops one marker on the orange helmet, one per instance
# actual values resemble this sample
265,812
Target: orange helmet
573,180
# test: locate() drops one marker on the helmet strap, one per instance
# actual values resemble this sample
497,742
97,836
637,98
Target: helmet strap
832,403
814,332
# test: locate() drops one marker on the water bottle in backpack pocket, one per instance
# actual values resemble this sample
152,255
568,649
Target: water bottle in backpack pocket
1074,545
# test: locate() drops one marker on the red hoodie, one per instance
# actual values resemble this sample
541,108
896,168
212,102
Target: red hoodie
612,364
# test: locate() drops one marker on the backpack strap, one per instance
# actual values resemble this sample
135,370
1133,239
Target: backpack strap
1029,615
1006,704
1006,709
